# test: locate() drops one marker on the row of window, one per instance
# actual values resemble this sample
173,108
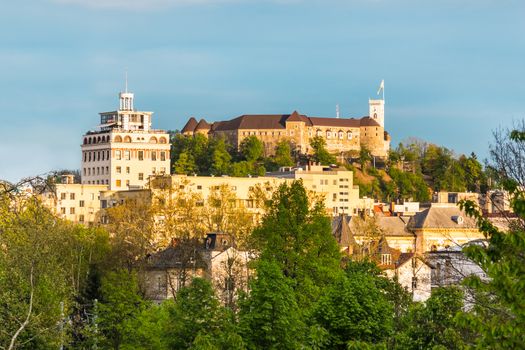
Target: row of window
97,182
126,155
96,171
105,138
96,156
329,134
119,155
63,196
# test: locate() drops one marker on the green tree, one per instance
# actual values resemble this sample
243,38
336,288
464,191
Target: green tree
354,308
196,317
321,154
220,159
283,154
121,302
251,148
499,310
434,325
296,234
270,317
185,164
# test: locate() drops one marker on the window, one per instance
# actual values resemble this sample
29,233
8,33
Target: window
127,155
153,155
127,170
98,170
118,183
334,197
328,134
386,259
85,171
72,210
341,135
62,210
118,155
81,218
72,196
85,156
141,155
89,156
62,196
119,170
98,155
104,203
199,187
162,156
107,170
81,204
141,176
319,133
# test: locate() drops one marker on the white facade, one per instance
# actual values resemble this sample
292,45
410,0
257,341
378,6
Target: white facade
125,151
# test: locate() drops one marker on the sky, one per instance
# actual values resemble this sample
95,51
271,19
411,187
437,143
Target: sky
453,69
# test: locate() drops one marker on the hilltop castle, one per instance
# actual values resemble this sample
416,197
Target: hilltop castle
341,134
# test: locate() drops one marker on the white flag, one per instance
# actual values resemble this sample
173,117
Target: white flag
381,86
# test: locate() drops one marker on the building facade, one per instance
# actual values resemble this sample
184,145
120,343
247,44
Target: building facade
75,202
342,135
125,150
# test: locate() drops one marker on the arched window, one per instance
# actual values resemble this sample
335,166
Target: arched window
153,139
127,139
349,135
85,140
319,132
341,134
328,134
99,139
162,140
118,138
89,140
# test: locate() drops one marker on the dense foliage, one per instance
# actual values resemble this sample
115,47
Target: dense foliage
63,284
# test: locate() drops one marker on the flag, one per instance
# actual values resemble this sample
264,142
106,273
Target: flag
381,86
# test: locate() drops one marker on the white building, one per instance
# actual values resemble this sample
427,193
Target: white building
125,150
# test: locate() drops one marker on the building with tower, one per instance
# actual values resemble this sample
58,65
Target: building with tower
124,150
342,135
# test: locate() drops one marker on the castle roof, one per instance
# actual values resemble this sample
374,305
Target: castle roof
278,121
254,121
203,125
367,121
190,125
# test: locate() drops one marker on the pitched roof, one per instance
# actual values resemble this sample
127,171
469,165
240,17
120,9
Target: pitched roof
393,225
190,125
341,230
203,125
449,217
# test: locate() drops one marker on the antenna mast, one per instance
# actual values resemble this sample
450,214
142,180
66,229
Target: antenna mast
337,111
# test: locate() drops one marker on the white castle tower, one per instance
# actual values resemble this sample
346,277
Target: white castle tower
376,108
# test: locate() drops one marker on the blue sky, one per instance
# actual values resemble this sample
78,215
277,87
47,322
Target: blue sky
453,69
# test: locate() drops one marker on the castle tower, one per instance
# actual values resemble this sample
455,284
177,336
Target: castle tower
377,111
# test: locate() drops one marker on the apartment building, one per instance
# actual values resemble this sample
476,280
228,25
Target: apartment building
124,151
